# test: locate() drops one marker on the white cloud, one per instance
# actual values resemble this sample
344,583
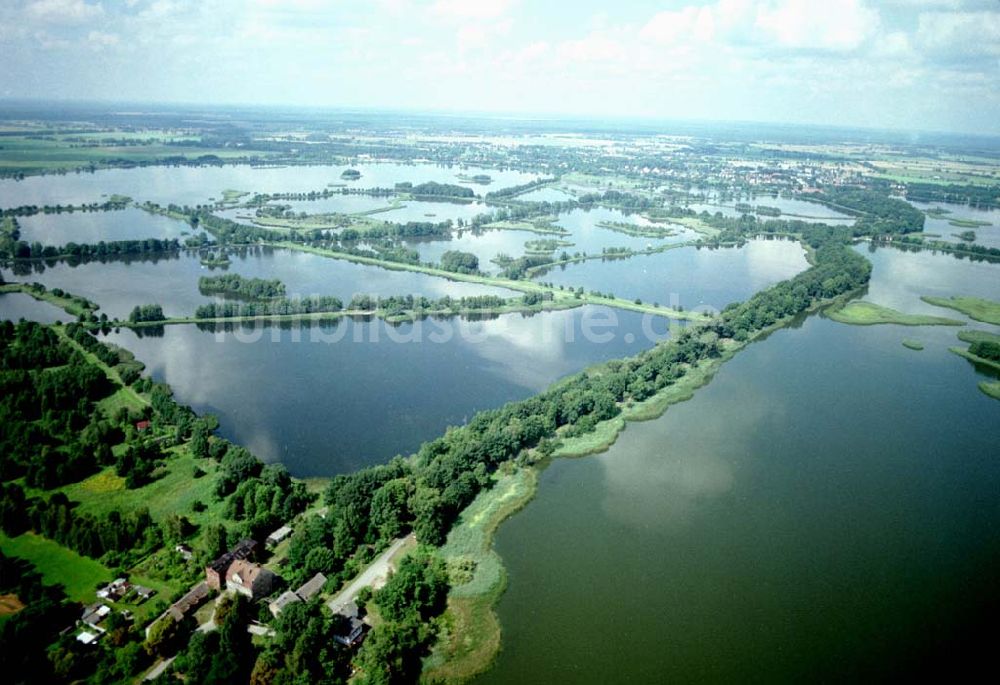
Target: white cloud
99,40
64,11
472,9
806,24
959,34
697,23
595,47
790,24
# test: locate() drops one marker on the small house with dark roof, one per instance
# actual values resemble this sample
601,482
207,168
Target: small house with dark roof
287,597
195,596
95,613
311,587
351,629
278,535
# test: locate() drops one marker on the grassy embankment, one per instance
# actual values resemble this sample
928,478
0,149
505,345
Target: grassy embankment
991,388
545,247
987,311
390,316
869,313
637,231
329,220
973,336
231,196
541,269
541,226
524,286
968,223
694,223
71,305
975,359
472,636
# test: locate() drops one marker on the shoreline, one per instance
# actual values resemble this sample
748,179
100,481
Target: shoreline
476,656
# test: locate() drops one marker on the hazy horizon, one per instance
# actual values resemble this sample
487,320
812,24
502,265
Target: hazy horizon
895,65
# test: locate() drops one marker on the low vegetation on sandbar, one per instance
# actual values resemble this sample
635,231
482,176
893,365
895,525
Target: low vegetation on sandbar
984,353
987,311
991,388
869,313
913,345
971,336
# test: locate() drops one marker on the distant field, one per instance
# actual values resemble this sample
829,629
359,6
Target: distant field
58,565
936,171
30,155
869,313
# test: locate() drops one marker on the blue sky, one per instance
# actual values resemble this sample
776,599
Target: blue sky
906,64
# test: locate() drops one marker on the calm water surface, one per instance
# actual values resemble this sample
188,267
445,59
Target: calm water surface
173,281
93,227
17,306
584,234
199,185
825,509
333,399
810,212
985,235
689,276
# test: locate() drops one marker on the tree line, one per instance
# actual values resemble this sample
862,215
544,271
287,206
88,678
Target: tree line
83,251
234,285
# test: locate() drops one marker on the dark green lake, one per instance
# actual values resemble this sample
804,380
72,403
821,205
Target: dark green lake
827,508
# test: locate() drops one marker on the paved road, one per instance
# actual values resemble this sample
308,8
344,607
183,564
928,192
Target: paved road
159,668
374,576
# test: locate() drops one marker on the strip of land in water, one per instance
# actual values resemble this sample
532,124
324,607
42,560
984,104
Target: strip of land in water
869,313
976,308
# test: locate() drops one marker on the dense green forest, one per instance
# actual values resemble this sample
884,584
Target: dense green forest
234,285
434,189
987,197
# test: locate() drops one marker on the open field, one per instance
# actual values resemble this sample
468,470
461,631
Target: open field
58,565
869,313
31,156
174,492
987,311
943,172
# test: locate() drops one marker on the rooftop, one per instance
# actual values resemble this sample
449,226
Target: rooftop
311,587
